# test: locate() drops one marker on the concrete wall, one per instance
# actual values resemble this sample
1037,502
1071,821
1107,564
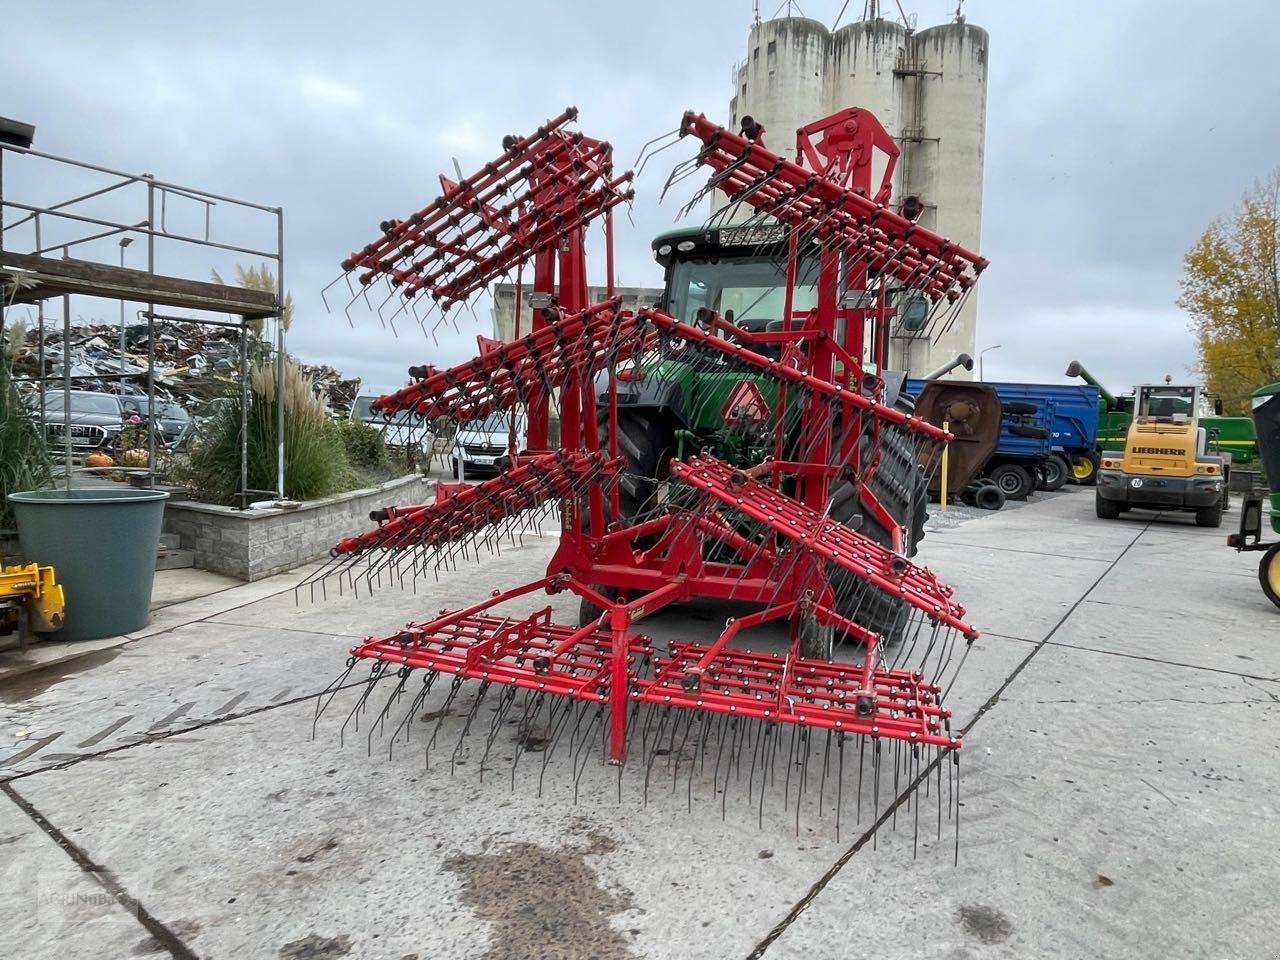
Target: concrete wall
252,544
929,89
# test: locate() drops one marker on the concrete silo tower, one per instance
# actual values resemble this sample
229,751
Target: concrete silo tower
928,88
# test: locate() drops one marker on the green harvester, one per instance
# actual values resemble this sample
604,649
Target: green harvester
1266,418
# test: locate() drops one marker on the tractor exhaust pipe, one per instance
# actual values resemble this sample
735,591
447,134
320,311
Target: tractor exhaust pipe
961,360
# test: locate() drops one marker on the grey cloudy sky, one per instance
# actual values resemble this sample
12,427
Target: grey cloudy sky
1116,130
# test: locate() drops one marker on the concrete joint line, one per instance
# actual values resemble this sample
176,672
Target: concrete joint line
104,878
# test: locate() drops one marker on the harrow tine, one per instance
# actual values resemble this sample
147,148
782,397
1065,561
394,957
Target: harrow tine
466,726
381,719
556,727
379,669
443,712
839,782
406,722
662,722
322,702
523,731
495,725
582,749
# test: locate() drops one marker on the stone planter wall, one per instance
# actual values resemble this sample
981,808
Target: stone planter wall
252,544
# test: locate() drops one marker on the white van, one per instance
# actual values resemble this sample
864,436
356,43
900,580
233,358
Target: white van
480,445
398,433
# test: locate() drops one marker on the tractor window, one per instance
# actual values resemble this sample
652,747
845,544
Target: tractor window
754,288
1165,403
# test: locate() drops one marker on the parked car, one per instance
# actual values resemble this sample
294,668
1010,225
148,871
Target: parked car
96,420
199,420
397,434
171,418
482,446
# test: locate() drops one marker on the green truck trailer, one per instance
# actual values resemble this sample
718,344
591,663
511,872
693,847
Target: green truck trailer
1234,435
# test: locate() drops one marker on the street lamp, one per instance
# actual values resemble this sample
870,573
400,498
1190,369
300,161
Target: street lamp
981,375
124,242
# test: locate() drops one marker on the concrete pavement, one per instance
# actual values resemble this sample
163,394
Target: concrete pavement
1118,789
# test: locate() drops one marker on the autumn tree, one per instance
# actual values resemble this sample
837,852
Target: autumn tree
1231,288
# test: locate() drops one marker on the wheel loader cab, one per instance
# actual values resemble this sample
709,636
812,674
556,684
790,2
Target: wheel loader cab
1169,461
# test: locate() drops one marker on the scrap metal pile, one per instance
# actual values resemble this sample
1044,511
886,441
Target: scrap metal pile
194,362
812,524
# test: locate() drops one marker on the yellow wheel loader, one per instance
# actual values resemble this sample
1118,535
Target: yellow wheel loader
1169,461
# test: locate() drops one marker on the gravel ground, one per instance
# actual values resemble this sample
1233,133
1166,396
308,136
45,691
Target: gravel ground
957,513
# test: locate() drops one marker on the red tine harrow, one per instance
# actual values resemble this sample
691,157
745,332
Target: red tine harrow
544,187
806,506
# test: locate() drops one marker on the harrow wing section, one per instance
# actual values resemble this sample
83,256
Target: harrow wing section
806,529
420,538
573,349
872,237
544,186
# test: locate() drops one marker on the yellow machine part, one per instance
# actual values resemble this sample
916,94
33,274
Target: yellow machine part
37,590
1161,449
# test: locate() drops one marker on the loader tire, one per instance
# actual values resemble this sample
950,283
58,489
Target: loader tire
817,640
1209,516
1105,509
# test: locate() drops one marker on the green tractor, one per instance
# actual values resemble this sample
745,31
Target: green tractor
1266,418
675,407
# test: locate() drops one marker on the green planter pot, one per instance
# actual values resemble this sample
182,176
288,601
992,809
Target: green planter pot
102,545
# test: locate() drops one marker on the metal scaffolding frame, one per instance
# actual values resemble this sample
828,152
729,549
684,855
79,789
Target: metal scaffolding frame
28,275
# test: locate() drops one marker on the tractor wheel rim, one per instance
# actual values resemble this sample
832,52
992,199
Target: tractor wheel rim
1082,468
1009,483
1273,573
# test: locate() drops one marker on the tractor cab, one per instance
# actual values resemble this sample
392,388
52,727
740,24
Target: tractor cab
739,272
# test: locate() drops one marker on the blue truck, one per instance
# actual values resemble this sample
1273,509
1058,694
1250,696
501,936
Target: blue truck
1048,436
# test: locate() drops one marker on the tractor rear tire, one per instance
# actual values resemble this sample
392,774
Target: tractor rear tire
1209,516
903,488
1106,509
1014,481
1056,473
1269,573
645,441
817,640
989,497
588,612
